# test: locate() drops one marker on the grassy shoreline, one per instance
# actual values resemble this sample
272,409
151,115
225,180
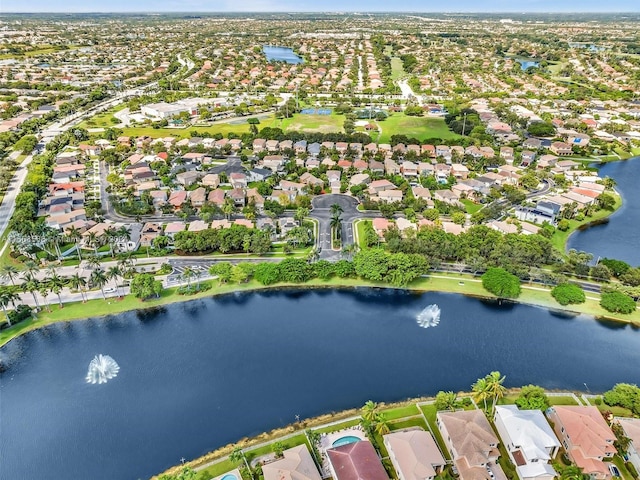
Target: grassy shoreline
468,285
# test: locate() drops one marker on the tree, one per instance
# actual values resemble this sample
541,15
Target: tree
381,425
75,236
606,201
222,270
336,210
369,411
278,449
144,285
446,400
541,129
495,387
78,283
56,282
30,285
532,397
480,391
568,293
8,272
501,283
98,278
7,296
617,302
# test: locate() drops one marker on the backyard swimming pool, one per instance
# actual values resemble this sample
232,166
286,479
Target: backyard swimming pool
345,441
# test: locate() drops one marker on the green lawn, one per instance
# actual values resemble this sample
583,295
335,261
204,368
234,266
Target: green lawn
338,426
564,400
411,422
418,127
430,413
397,69
102,120
470,206
401,412
360,231
222,128
311,123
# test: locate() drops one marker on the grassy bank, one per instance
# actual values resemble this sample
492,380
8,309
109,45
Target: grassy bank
450,283
560,239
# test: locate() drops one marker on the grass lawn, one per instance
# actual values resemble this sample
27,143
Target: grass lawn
411,422
401,412
564,400
470,206
222,128
102,120
339,426
310,123
429,412
418,127
360,231
559,239
397,69
266,449
618,461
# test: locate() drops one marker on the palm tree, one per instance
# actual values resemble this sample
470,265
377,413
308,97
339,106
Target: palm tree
8,272
109,237
7,296
228,208
480,391
31,285
113,273
237,456
56,282
495,388
123,234
75,236
31,267
78,282
369,411
99,279
93,241
93,261
188,274
381,425
336,210
44,290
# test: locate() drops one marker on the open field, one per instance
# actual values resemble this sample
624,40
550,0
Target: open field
397,71
222,128
418,127
311,123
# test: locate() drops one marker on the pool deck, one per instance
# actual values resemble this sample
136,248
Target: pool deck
235,472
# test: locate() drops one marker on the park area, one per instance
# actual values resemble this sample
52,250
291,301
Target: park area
418,127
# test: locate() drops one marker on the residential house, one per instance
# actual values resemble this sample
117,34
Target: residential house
198,226
446,196
273,162
378,186
149,232
359,179
356,461
238,196
198,197
561,148
217,196
414,454
174,227
296,464
211,180
188,178
177,198
381,225
259,174
529,441
259,145
272,146
586,437
390,196
409,169
471,442
309,179
238,180
532,144
631,429
459,171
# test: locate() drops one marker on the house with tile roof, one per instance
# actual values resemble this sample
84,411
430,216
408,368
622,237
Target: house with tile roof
297,464
585,436
356,461
414,454
631,429
471,442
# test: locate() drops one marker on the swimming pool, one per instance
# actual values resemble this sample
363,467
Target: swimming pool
229,476
345,441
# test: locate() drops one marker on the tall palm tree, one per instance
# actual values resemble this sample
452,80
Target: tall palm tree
31,285
336,210
93,241
78,282
495,388
480,391
44,290
109,237
56,283
114,273
381,425
75,236
99,279
237,456
93,261
188,274
9,272
123,234
7,296
369,411
30,267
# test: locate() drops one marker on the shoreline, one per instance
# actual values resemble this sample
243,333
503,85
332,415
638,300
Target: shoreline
458,284
257,441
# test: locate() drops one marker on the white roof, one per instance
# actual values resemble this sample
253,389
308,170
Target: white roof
537,469
529,430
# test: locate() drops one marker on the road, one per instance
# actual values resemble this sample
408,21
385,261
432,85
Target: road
9,200
407,92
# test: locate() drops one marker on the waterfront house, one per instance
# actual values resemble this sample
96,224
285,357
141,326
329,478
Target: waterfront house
356,461
529,440
414,454
471,442
631,429
586,437
296,464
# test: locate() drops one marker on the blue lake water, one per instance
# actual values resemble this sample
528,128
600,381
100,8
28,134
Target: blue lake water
620,237
281,54
197,375
524,64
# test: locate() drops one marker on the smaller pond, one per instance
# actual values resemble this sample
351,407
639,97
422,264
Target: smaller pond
525,64
281,54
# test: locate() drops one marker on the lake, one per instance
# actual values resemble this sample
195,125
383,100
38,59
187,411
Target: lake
620,237
197,375
524,64
281,54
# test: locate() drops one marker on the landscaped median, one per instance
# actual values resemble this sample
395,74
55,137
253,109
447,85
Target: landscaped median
437,282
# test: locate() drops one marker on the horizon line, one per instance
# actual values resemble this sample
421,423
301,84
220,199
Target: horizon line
328,12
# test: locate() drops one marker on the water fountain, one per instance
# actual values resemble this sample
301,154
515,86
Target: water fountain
429,316
102,369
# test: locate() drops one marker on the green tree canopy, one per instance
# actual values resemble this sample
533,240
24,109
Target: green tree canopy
144,285
568,293
501,283
532,397
617,302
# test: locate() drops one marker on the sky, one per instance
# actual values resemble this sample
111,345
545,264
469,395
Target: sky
315,5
